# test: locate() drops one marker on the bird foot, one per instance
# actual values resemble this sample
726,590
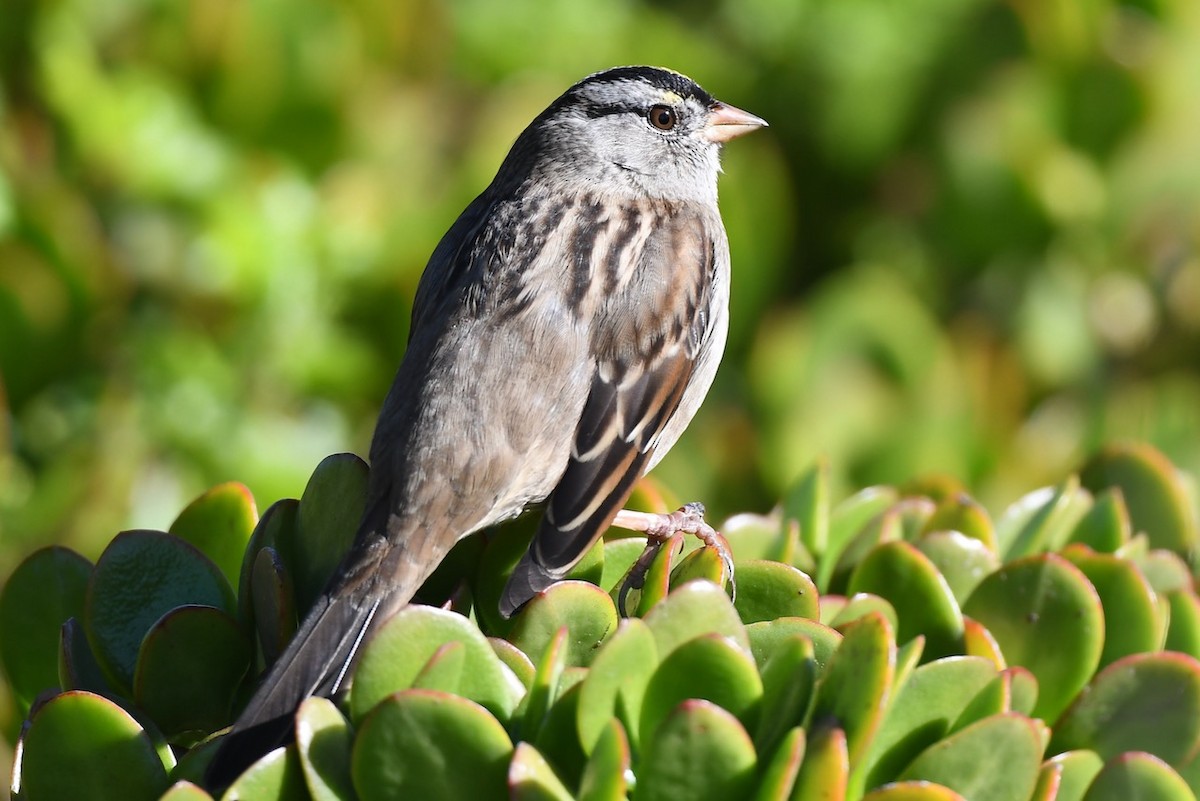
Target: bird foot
659,529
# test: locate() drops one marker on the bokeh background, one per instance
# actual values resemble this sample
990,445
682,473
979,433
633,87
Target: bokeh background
967,245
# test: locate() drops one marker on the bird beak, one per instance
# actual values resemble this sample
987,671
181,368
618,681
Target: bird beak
726,122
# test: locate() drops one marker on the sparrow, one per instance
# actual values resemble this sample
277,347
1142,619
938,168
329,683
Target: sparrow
564,332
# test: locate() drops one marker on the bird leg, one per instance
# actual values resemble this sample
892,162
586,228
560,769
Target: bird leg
659,528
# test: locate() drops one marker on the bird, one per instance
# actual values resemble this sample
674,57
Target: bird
564,332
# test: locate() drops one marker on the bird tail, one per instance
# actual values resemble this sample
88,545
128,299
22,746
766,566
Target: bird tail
320,656
315,662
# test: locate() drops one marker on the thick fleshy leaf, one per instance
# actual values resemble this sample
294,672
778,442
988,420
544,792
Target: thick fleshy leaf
825,771
276,525
978,641
961,560
913,791
330,509
140,577
219,524
530,777
856,606
857,683
1078,769
585,610
619,556
1105,527
323,741
1131,619
924,710
505,546
1041,520
516,660
544,688
402,747
656,583
189,667
807,502
616,681
400,649
1158,502
847,519
1145,702
767,637
80,745
699,752
788,681
698,607
709,667
767,590
964,515
558,737
185,791
1038,600
833,576
1137,776
780,774
604,776
923,600
273,600
1183,633
41,594
77,665
703,563
753,536
996,759
1165,570
276,777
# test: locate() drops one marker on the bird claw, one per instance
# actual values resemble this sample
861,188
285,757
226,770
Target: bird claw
659,529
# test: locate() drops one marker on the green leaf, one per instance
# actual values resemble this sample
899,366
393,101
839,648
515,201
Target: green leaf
403,744
708,667
996,759
1158,502
962,561
698,607
913,791
923,601
330,509
324,741
825,771
1106,526
699,752
185,791
616,682
397,653
1183,632
189,668
961,514
45,590
277,525
604,776
278,776
1137,776
219,524
779,777
923,712
542,692
1078,768
585,610
768,590
1038,600
530,777
767,637
856,685
1145,702
80,745
1040,521
140,577
1131,620
788,681
808,503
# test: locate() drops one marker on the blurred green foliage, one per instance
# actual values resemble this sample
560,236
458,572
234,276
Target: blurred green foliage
967,244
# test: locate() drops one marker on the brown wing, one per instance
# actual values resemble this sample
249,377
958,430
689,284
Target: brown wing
650,331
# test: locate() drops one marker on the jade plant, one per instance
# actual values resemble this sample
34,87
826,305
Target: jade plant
902,644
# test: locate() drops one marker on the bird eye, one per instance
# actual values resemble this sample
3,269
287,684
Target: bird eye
662,117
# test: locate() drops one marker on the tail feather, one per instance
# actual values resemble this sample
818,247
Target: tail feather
314,663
